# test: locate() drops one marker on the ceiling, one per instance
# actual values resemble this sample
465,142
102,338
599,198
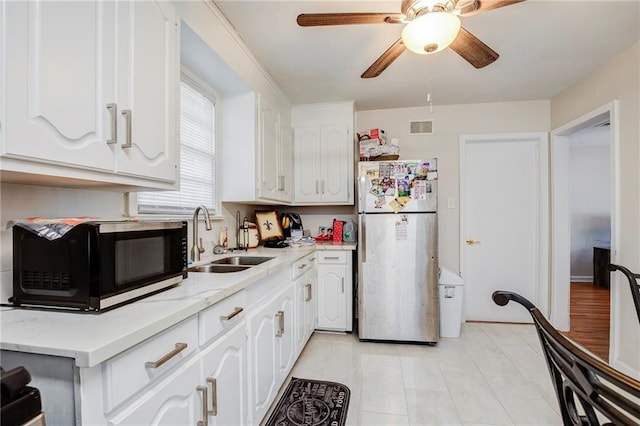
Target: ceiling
544,47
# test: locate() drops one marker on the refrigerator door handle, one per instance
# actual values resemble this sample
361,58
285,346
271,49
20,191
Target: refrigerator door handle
363,237
362,194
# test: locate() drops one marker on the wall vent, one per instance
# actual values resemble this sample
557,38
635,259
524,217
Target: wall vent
421,127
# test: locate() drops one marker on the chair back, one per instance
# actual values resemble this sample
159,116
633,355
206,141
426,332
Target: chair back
583,384
634,284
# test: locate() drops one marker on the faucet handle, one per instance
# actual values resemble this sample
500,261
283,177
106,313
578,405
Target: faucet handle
200,246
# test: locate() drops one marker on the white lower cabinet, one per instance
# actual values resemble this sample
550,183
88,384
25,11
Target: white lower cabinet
208,389
221,366
271,350
224,365
306,307
174,401
335,294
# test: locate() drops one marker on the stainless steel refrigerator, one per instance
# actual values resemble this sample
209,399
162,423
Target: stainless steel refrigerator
397,249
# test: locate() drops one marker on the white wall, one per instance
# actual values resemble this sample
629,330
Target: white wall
617,79
206,20
590,198
451,121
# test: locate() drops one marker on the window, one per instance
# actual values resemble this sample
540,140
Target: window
197,155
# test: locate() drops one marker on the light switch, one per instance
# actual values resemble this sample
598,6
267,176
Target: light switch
451,203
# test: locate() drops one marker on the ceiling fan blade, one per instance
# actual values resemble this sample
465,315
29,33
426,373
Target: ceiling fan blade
485,5
381,64
473,50
319,19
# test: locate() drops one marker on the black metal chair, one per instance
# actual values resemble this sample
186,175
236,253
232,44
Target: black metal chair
581,378
633,283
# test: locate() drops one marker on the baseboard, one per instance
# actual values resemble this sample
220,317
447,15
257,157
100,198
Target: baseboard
624,368
581,279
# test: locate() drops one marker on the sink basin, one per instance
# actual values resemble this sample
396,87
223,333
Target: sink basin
218,269
242,260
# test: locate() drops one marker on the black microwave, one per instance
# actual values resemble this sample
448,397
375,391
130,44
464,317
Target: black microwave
98,265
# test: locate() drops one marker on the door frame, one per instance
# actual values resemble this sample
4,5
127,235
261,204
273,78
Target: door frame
560,230
542,142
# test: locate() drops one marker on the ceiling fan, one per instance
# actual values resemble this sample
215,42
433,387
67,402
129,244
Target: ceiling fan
431,25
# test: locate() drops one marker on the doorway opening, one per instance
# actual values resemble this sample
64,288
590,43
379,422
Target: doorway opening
584,182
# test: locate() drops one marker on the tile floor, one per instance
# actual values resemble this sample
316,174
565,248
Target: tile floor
494,374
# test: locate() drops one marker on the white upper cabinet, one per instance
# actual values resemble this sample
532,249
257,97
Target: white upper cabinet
323,153
59,80
274,147
285,157
255,151
91,87
148,78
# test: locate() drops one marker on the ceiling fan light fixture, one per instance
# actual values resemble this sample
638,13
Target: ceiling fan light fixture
431,32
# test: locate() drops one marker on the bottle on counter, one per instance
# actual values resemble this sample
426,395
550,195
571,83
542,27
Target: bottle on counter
349,232
224,241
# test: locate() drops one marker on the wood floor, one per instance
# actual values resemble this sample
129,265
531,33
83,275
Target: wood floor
590,318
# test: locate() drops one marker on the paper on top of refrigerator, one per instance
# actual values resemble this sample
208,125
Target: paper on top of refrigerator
394,186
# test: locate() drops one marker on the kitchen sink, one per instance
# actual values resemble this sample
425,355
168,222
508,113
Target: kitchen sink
218,269
242,260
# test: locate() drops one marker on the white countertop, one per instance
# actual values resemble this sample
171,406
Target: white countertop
93,338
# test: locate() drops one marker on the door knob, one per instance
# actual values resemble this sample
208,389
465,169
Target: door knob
472,241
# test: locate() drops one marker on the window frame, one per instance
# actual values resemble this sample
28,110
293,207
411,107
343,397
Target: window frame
190,78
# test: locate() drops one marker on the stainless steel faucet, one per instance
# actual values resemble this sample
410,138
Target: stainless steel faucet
197,247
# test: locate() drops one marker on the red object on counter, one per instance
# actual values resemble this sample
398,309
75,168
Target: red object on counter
337,230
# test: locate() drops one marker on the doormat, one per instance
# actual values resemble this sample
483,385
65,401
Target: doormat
311,403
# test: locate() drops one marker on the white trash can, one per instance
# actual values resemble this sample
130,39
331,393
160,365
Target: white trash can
450,289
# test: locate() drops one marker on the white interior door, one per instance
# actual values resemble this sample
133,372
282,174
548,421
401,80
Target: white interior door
503,223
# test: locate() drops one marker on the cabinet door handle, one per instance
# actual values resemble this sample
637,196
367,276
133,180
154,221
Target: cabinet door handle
127,120
309,296
205,420
236,311
155,364
317,186
342,284
113,110
304,265
214,396
323,186
280,319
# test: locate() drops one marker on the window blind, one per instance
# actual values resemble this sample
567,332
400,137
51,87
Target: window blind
197,156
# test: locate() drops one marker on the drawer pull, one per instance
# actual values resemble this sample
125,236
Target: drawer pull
205,417
331,258
235,312
214,396
155,364
304,265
